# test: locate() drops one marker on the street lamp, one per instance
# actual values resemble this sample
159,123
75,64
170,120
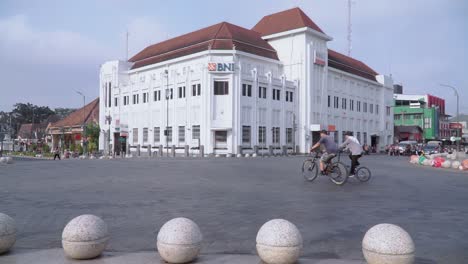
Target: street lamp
84,116
168,95
458,109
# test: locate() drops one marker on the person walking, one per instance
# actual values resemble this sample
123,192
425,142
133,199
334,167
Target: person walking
355,148
57,153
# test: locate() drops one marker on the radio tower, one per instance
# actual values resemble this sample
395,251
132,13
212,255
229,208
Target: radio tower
350,30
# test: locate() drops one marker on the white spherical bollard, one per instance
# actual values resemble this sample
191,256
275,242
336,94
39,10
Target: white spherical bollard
7,233
247,155
456,164
3,160
279,242
239,155
254,155
217,156
179,240
85,237
387,243
9,160
446,164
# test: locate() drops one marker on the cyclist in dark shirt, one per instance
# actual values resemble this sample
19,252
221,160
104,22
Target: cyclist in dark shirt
331,148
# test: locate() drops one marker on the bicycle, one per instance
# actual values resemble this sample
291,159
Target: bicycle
363,174
336,171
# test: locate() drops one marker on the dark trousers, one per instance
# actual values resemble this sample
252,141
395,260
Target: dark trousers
354,162
57,156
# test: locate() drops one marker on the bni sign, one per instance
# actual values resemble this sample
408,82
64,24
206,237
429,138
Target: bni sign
319,58
220,67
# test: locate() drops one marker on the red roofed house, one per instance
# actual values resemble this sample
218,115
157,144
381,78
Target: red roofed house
69,130
238,90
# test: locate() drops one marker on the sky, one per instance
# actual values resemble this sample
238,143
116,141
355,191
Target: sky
51,49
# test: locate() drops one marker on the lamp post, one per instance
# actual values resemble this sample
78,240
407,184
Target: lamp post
168,95
458,109
84,117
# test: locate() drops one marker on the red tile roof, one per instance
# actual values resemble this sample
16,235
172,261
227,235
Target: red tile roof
91,114
222,36
284,21
342,62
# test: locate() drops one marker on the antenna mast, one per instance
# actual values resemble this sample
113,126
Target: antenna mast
126,46
350,30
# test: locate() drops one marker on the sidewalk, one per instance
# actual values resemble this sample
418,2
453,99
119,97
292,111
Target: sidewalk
56,256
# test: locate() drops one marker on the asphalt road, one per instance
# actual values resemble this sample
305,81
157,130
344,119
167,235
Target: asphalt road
231,198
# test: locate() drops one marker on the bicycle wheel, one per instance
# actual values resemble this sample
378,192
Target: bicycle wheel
309,170
363,174
339,173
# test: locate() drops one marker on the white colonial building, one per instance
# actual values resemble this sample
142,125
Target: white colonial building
230,89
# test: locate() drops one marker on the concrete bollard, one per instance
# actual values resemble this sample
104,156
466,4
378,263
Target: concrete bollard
279,242
256,149
138,150
297,149
387,243
239,150
85,237
127,148
150,150
179,240
270,150
202,151
187,153
173,151
7,233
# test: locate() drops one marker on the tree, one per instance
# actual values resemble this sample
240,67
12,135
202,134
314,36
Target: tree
63,112
92,132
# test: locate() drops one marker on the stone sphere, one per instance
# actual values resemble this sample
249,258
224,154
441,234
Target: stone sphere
3,160
7,233
464,163
9,160
254,155
217,156
279,242
179,240
239,155
446,164
85,237
247,155
387,243
455,164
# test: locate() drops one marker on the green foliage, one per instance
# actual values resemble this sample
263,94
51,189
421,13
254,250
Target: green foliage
79,149
92,133
72,147
92,147
63,112
45,148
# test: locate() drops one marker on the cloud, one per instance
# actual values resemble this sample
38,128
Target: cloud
144,31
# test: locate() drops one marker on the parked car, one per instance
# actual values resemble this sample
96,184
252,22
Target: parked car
431,149
403,145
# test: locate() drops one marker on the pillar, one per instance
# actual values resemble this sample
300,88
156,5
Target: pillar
186,150
161,150
173,150
138,150
270,150
202,151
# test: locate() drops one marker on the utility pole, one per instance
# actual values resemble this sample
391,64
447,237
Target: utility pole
166,133
458,111
294,133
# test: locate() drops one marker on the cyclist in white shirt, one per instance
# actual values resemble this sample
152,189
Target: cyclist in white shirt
355,148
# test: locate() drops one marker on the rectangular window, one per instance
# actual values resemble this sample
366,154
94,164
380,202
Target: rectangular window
196,132
276,135
397,116
110,92
276,94
388,110
371,108
221,88
359,106
196,89
181,134
247,90
135,136
262,92
417,116
169,134
376,109
365,108
145,135
329,101
134,99
157,135
289,136
246,135
262,135
116,101
145,97
221,139
289,96
336,103
351,105
157,95
343,103
182,92
169,94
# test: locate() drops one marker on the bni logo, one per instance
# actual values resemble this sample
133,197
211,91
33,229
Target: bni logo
220,67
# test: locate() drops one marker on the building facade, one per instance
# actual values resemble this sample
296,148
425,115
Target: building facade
230,89
420,117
